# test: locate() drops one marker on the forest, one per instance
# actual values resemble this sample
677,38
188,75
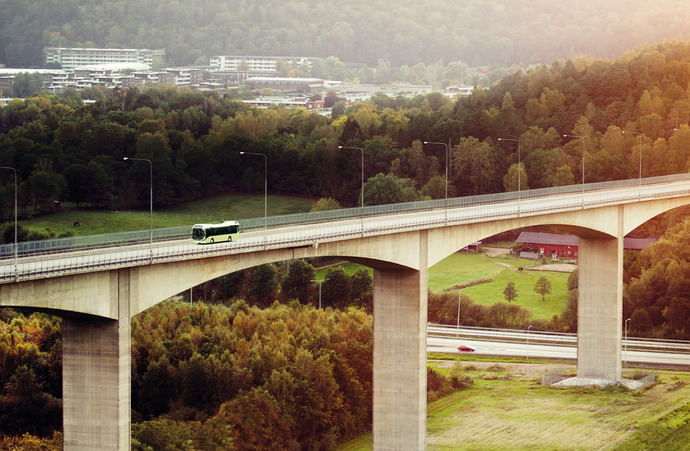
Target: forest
471,32
68,152
288,377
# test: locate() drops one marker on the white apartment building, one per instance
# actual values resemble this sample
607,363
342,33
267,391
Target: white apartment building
261,64
73,57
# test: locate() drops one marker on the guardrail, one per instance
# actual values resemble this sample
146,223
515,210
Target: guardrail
142,236
554,338
546,204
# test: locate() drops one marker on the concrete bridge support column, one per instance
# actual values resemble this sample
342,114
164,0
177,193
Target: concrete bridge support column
96,378
400,318
599,308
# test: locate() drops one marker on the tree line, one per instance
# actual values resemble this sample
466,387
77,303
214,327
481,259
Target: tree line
66,151
294,280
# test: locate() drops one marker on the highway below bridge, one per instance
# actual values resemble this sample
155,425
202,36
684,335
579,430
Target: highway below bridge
639,352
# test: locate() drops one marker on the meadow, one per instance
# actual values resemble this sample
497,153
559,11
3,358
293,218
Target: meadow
212,209
508,409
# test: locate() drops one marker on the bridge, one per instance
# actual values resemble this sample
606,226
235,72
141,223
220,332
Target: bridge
97,288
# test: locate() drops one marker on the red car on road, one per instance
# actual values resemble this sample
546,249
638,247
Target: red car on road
465,348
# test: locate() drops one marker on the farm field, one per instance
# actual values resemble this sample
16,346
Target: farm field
213,209
507,409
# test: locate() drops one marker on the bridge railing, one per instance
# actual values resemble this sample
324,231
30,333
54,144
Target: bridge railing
142,236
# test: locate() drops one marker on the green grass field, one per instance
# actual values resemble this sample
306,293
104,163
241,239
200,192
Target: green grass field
213,209
464,268
506,409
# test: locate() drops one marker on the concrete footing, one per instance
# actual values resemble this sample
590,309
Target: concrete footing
630,384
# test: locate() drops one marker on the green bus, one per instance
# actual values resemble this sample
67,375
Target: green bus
215,233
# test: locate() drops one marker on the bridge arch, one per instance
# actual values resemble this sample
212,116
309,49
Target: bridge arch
639,213
154,283
601,224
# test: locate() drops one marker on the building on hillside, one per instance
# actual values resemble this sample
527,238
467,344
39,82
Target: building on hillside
285,83
236,69
308,103
458,91
256,64
474,247
561,246
73,57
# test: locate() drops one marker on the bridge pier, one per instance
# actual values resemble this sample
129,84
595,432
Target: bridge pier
600,308
96,378
399,379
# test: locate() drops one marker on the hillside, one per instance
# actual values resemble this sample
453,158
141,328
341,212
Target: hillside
475,32
66,151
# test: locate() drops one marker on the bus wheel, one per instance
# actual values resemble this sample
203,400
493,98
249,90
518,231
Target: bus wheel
229,239
212,241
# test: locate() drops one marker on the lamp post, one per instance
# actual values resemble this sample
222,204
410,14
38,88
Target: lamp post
625,342
445,203
265,190
640,174
582,138
319,282
150,202
527,347
519,166
457,334
16,271
361,205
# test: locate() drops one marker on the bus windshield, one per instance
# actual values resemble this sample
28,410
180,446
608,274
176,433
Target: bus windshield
198,233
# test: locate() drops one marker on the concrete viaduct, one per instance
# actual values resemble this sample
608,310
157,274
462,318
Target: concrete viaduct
98,303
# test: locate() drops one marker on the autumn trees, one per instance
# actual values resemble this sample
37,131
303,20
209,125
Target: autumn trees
656,299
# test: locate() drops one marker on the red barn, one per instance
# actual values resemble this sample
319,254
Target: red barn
550,244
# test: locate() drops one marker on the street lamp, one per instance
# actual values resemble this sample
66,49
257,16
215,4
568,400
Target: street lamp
519,166
265,190
640,175
319,282
527,347
16,271
447,152
457,334
582,138
625,342
150,202
362,188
